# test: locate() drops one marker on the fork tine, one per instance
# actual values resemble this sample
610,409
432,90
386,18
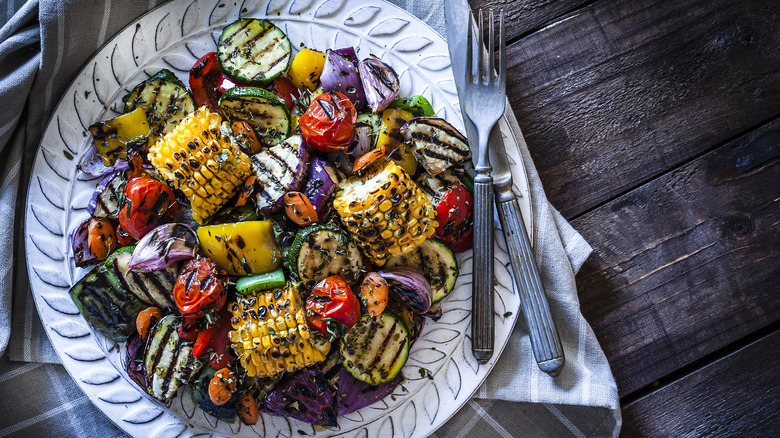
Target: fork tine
469,52
501,53
491,49
480,49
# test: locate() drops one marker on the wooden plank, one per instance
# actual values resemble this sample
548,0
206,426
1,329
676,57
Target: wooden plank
738,395
623,90
522,16
686,263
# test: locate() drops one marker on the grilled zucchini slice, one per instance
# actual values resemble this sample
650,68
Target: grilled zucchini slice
376,348
153,288
168,359
435,261
164,99
253,51
320,251
262,110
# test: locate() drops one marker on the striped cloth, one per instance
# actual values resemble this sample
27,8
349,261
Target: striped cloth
43,44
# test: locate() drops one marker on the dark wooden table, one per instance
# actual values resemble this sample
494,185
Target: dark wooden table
654,126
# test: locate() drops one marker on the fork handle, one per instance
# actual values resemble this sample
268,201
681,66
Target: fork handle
545,341
483,324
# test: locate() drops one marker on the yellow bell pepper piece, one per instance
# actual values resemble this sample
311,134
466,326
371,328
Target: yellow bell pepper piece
243,248
392,140
112,136
306,68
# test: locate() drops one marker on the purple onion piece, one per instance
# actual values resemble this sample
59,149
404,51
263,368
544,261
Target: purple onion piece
92,164
80,246
135,360
162,247
341,75
304,396
323,181
349,54
380,83
409,287
352,394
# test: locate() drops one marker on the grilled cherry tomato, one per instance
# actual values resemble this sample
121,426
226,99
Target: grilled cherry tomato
101,239
200,288
214,339
147,201
285,90
123,237
190,328
300,209
332,308
328,125
455,214
204,76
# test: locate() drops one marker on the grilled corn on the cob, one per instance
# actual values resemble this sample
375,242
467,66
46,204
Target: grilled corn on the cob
270,333
204,164
385,211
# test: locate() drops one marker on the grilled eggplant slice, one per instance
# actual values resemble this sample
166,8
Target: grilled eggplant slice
435,261
253,51
376,348
111,311
168,359
322,250
279,170
436,144
266,113
165,101
153,288
108,196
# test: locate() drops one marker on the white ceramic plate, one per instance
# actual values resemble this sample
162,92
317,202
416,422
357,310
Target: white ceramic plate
441,373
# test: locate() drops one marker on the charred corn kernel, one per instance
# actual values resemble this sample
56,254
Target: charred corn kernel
270,333
378,207
201,162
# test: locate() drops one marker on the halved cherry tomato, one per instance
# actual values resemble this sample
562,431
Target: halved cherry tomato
246,191
203,81
328,125
285,90
373,293
101,239
214,339
147,201
369,158
200,288
332,308
123,237
455,212
300,209
246,135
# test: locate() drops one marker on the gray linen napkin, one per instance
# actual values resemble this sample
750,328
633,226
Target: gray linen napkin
43,45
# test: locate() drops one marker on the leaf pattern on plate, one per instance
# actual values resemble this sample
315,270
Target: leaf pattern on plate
70,329
173,36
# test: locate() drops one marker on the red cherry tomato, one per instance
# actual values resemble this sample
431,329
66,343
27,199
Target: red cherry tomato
146,203
190,328
200,288
214,339
328,125
123,237
204,76
285,90
455,214
332,308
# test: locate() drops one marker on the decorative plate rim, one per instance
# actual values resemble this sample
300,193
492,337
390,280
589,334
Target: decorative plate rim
85,354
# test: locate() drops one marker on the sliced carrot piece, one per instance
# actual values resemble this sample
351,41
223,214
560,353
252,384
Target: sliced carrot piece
367,159
146,319
373,293
300,209
222,386
247,409
247,135
246,192
101,238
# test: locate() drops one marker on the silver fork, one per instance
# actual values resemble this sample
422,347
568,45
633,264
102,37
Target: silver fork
485,97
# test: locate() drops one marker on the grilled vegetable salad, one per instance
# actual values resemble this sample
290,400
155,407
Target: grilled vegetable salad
266,234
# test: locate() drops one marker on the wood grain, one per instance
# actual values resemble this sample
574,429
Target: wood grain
686,263
523,16
621,91
738,395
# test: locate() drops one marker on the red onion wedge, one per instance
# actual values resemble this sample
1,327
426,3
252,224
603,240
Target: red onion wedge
323,181
380,83
409,287
162,247
92,164
80,245
341,74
